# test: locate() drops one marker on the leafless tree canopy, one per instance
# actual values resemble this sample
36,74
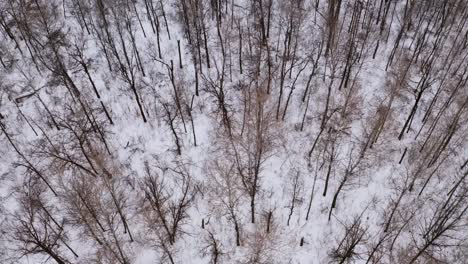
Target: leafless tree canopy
233,131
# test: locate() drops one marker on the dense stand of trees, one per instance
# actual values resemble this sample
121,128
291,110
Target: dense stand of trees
259,131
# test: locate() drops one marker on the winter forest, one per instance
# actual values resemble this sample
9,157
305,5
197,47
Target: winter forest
233,131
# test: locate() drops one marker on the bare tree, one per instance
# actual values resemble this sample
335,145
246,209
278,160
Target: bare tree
347,248
226,192
167,202
213,248
34,228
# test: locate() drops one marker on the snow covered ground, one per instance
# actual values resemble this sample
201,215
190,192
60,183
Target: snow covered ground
283,132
